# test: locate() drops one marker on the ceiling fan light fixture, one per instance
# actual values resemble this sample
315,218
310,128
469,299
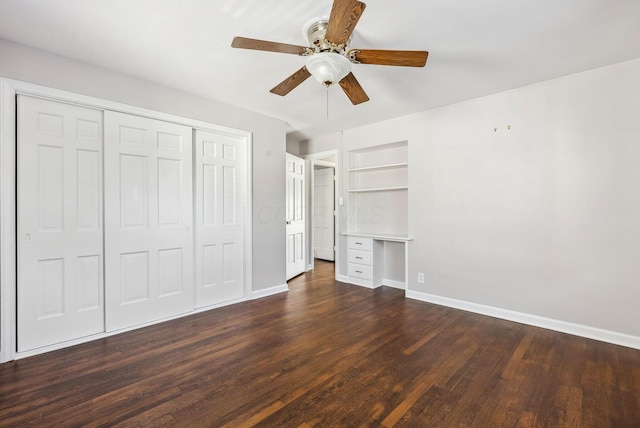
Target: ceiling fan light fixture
328,67
328,57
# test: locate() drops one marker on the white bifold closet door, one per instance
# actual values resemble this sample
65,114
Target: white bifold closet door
148,220
220,209
60,246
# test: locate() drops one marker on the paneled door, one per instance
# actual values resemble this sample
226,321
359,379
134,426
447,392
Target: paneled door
148,220
219,161
60,256
323,213
295,217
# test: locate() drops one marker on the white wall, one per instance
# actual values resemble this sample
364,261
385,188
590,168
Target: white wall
29,65
540,219
293,146
321,144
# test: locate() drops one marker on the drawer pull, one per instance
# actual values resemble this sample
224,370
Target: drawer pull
358,243
358,271
358,257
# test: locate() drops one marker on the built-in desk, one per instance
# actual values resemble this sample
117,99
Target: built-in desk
375,260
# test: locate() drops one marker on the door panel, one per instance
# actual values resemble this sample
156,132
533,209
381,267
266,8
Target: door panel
60,257
169,192
133,192
295,228
89,172
220,204
148,220
323,217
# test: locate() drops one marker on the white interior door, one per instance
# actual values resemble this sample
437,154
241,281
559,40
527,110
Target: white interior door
148,220
295,216
323,213
220,212
60,256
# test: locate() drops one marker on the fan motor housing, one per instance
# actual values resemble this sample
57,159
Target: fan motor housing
315,34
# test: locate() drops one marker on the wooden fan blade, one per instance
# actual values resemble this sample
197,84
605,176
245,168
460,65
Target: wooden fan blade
343,19
291,82
354,91
263,45
382,57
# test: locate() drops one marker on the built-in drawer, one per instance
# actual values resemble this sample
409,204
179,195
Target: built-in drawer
358,256
359,271
358,243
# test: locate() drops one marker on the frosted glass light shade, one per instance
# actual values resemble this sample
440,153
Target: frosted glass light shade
328,67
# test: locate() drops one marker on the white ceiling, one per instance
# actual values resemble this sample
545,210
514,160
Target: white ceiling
475,48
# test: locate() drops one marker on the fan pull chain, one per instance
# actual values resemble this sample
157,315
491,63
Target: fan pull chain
327,103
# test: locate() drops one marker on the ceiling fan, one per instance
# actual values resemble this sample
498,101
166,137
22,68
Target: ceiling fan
328,58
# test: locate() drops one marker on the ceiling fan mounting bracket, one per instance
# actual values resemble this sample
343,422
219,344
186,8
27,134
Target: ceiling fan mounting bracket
353,56
308,52
339,49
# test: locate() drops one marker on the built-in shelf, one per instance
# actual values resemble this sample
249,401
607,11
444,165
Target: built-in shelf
380,167
377,230
378,189
378,183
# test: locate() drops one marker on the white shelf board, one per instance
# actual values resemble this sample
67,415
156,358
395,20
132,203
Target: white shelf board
378,189
381,237
380,167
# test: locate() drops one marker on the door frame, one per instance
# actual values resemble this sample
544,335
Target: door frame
9,88
317,159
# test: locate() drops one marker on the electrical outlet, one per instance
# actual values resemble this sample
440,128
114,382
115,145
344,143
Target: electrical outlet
420,278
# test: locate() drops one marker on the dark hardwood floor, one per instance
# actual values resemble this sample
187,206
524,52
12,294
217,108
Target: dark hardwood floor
328,354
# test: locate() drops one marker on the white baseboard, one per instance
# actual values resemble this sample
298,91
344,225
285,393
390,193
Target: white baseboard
259,294
534,320
254,295
218,305
355,281
393,283
85,339
342,278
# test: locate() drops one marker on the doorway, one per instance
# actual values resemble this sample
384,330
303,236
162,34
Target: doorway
323,210
324,224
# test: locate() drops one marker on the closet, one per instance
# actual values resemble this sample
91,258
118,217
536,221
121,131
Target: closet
123,220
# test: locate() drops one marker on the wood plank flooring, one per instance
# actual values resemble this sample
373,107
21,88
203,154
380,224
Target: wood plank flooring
328,354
